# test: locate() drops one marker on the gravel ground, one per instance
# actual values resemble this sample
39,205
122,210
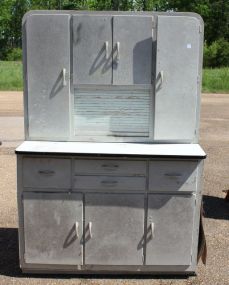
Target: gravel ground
214,138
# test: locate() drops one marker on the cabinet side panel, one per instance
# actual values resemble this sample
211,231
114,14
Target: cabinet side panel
48,54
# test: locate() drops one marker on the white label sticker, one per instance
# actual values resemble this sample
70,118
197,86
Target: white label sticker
189,46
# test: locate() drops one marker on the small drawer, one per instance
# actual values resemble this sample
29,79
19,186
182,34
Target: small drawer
109,182
46,173
110,167
173,176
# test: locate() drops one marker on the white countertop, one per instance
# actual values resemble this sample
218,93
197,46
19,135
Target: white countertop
119,149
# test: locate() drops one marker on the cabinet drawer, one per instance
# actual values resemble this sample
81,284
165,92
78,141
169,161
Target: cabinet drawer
109,182
119,167
173,175
46,173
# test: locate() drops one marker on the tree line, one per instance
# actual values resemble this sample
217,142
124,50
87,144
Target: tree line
214,13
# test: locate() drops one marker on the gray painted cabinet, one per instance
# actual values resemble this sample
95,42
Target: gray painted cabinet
90,198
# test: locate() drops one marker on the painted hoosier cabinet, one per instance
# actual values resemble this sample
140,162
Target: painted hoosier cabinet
109,177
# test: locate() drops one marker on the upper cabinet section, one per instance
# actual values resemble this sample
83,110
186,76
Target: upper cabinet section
112,49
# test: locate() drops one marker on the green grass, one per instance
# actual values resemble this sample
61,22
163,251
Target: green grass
10,75
214,80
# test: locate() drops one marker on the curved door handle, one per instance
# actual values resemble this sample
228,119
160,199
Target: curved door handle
118,52
90,229
107,49
64,77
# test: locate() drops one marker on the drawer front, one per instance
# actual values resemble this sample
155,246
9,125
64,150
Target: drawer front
173,175
109,183
116,167
47,173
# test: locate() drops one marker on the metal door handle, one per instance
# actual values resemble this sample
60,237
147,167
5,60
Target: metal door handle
46,172
64,77
90,229
107,49
152,227
77,229
118,51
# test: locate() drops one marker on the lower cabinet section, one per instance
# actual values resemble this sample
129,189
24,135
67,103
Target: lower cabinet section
127,229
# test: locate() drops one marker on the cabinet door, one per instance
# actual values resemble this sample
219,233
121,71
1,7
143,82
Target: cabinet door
114,229
92,49
48,66
132,50
178,59
169,229
53,228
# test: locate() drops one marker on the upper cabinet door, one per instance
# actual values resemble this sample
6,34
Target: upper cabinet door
132,50
47,61
92,49
177,67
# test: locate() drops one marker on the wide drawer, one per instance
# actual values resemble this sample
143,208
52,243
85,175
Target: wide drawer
173,175
47,173
109,182
116,167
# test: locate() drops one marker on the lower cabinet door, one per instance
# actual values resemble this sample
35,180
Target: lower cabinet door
169,229
114,229
53,228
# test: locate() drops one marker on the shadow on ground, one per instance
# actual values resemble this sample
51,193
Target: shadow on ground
215,208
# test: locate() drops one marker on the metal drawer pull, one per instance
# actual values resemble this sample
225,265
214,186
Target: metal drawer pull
118,52
64,77
46,172
109,183
90,229
77,229
152,227
106,49
110,165
173,174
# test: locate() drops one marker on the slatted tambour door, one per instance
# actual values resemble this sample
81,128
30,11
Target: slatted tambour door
112,113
